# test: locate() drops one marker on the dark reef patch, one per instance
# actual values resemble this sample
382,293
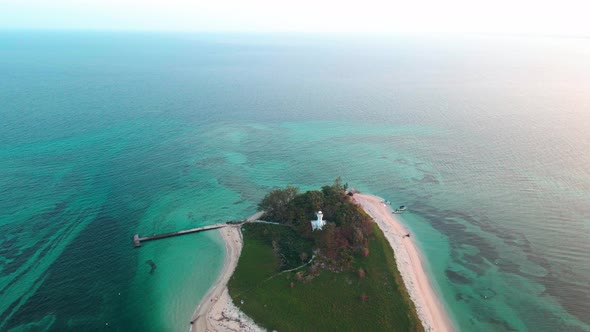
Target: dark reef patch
427,178
152,265
457,278
486,293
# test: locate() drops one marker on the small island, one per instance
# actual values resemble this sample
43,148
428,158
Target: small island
320,261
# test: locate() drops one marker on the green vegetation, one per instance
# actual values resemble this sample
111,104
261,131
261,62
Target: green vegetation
276,203
347,229
351,285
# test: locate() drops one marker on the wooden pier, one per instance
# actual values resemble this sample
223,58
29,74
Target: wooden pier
138,240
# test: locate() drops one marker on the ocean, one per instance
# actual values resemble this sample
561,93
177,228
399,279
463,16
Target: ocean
107,134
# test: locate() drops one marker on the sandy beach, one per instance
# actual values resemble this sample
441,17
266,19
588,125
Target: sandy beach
430,310
216,311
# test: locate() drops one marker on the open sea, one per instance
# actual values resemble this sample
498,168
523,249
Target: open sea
104,135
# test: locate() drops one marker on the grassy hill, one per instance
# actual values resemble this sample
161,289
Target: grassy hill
318,297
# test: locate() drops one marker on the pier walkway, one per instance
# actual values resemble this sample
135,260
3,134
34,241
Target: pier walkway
138,240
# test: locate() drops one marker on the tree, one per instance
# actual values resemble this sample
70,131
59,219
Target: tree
338,184
327,240
275,204
316,199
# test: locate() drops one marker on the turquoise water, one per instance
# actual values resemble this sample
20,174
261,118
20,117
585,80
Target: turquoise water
104,135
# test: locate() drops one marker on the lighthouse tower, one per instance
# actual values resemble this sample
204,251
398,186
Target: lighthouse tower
319,223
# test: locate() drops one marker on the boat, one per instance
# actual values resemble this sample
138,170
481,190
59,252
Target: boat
399,210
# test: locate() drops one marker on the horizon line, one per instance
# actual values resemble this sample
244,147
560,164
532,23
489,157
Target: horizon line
303,32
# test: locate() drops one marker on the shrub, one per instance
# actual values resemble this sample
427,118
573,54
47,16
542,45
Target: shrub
362,273
365,252
364,297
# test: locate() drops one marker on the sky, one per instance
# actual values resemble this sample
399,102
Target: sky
538,17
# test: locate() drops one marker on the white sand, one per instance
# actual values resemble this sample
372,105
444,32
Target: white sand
430,310
216,312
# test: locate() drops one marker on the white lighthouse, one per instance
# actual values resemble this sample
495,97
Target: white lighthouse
319,223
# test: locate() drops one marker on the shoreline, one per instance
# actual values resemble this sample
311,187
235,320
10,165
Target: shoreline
430,310
216,311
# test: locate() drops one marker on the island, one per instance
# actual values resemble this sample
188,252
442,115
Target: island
325,260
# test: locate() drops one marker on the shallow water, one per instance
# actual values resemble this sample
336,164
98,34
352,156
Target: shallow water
106,135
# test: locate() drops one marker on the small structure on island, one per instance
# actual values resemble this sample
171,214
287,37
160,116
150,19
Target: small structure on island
319,223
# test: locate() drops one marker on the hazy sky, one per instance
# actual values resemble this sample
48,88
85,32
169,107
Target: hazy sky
569,17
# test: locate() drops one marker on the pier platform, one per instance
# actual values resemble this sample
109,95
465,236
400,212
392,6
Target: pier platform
137,240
